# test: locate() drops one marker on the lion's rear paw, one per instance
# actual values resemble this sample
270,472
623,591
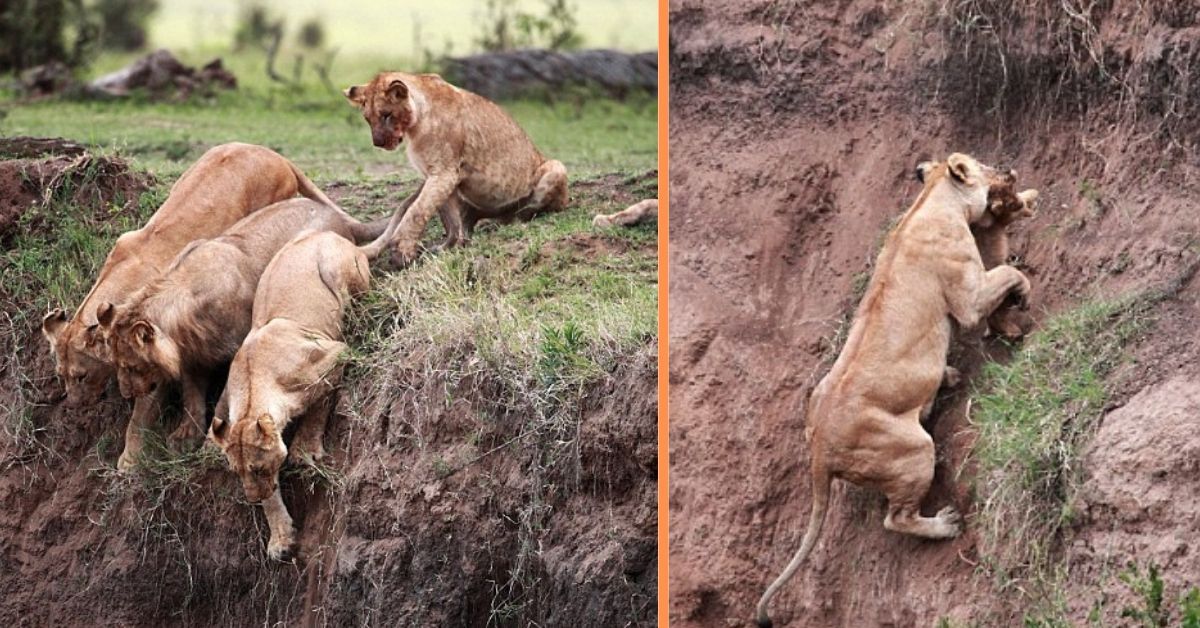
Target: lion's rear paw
951,519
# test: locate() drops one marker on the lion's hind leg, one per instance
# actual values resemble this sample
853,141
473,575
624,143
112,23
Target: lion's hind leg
906,476
549,191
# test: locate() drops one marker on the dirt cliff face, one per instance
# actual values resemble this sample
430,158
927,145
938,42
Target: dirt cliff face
795,127
444,501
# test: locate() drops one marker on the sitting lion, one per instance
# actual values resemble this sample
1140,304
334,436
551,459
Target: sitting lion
227,183
863,420
188,324
287,368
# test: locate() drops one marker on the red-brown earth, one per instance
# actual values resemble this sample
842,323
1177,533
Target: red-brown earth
795,127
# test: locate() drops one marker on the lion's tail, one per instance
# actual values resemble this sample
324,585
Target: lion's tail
821,480
309,190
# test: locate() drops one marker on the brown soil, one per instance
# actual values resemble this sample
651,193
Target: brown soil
795,128
35,170
438,512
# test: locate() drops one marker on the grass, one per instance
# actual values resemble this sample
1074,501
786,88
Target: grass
1034,415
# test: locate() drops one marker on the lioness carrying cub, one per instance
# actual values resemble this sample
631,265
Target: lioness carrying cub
1005,206
287,368
863,420
476,160
189,323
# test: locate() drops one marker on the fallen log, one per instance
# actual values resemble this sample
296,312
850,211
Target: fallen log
499,75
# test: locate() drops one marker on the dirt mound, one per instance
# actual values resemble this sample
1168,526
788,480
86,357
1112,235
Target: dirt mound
40,171
795,128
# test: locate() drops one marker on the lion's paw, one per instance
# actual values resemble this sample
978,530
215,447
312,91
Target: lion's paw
127,462
951,519
280,549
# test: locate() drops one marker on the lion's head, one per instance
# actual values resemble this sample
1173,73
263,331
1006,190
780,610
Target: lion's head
989,191
386,106
81,358
255,450
145,357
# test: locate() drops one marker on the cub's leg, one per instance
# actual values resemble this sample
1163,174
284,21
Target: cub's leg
191,424
308,441
283,535
550,191
145,410
642,211
908,475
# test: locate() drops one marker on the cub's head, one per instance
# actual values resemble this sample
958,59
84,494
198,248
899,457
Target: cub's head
1005,204
255,450
145,357
81,358
972,179
387,106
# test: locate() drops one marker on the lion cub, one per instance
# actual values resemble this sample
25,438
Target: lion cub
189,323
476,160
287,368
227,183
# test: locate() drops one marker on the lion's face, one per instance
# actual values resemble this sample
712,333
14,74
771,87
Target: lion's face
145,357
387,108
1005,204
255,451
79,358
974,180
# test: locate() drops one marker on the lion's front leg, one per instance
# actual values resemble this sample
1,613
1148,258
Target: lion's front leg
969,307
406,240
283,534
191,424
145,410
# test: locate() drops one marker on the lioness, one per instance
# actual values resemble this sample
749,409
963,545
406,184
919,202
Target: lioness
1005,206
189,322
287,368
223,186
476,160
863,420
636,214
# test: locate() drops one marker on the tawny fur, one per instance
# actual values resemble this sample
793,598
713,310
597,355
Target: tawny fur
1005,206
287,368
476,161
636,214
227,183
189,323
863,420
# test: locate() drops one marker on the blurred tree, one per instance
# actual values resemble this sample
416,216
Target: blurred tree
312,34
505,27
123,22
33,32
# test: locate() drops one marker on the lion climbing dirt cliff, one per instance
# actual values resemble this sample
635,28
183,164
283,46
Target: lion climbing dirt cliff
864,418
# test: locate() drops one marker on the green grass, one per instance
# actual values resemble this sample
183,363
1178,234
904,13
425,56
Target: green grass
1034,416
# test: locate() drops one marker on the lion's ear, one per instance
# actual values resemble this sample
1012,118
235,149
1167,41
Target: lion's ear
1027,198
356,94
267,425
397,90
218,429
923,170
960,167
105,313
53,323
142,332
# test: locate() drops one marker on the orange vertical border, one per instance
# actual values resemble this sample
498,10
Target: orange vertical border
664,205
